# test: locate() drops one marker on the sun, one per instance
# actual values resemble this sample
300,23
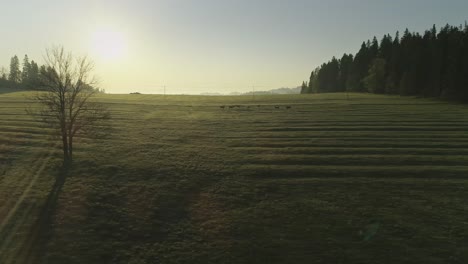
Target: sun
109,44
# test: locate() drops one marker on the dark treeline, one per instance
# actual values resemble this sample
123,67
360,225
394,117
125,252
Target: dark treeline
434,64
21,75
25,75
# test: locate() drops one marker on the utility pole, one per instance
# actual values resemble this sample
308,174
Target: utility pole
155,89
253,90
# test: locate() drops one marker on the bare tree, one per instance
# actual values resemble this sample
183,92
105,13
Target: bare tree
66,89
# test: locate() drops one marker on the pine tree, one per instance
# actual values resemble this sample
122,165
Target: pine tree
313,81
15,73
33,74
386,48
361,67
373,49
310,88
304,87
393,67
345,71
26,70
333,75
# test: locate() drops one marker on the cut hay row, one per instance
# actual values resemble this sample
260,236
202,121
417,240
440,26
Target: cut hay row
180,180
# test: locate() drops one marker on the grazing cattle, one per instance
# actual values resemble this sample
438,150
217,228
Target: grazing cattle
288,107
231,106
277,107
223,106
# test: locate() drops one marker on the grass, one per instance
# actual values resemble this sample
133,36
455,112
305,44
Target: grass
373,179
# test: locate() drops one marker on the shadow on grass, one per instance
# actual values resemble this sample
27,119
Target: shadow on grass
33,250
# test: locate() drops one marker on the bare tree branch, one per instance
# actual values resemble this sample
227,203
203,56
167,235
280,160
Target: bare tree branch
67,87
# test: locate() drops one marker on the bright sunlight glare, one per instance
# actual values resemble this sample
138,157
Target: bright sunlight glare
108,44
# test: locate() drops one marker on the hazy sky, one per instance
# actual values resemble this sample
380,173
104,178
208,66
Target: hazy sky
195,46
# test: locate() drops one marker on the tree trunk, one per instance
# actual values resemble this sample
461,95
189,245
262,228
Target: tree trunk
70,148
66,156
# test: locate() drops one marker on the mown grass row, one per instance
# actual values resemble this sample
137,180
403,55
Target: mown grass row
372,179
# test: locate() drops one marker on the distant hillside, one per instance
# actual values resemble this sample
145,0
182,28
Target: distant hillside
283,90
211,94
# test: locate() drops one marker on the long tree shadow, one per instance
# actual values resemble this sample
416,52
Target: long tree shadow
32,251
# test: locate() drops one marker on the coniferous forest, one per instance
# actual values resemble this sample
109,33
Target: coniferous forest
434,64
20,76
26,75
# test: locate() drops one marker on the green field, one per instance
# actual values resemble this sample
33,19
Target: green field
372,179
